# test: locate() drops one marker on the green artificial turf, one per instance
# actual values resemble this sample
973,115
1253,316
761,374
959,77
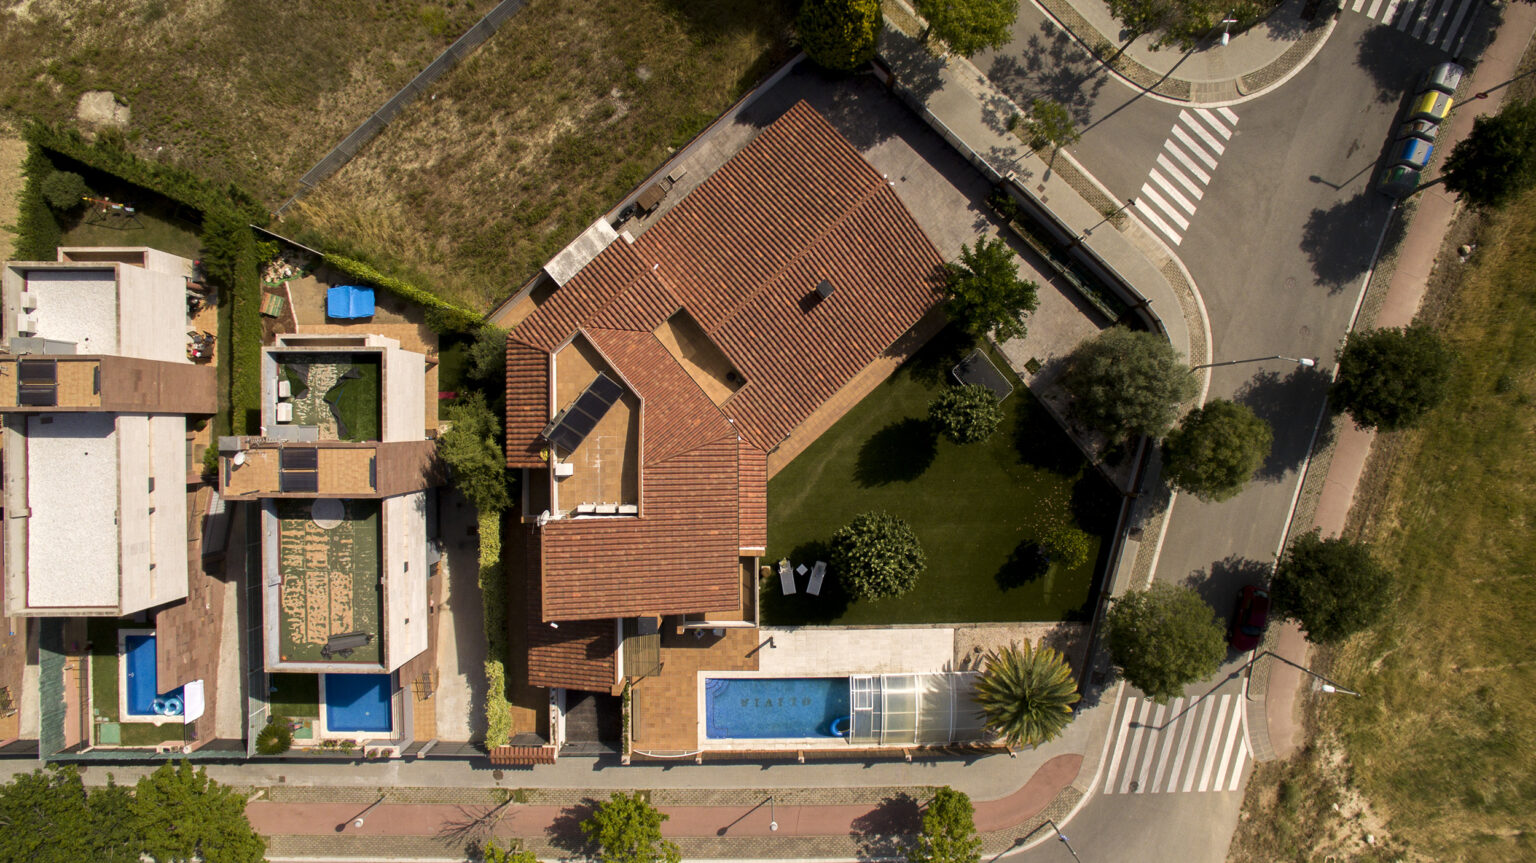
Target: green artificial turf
357,403
978,510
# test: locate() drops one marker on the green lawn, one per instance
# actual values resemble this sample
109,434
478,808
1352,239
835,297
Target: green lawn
295,695
357,403
978,510
102,633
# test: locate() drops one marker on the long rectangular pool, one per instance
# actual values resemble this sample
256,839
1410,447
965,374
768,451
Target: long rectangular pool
142,680
357,702
774,707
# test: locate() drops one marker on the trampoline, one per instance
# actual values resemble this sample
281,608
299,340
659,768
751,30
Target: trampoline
977,369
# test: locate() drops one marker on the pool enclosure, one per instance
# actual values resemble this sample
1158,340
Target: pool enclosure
928,709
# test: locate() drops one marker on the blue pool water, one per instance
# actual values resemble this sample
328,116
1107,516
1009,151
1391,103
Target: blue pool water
357,702
139,654
773,707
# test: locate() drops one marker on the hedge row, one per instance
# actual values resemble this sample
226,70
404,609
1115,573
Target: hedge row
230,263
38,233
442,316
498,711
177,184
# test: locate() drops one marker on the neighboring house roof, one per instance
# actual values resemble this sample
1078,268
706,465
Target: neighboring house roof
743,255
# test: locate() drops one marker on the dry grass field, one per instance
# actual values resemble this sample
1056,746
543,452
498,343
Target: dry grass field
515,152
245,91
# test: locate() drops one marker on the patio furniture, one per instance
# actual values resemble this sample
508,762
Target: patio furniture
801,569
818,574
285,412
284,390
345,643
349,302
786,577
650,199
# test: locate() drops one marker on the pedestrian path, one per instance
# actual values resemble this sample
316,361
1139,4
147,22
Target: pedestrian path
1189,156
1442,23
1189,745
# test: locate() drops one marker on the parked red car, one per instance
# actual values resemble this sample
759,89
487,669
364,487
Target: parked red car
1249,619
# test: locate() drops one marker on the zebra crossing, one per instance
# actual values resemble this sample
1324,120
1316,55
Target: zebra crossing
1443,23
1187,745
1177,182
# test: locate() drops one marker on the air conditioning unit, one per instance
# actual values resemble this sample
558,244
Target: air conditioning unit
28,300
26,324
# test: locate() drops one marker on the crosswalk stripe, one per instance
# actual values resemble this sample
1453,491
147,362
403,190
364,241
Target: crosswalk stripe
1190,144
1375,4
1138,737
1146,761
1356,7
1172,170
1450,33
1237,764
1205,724
1196,707
1406,16
1233,723
1434,30
1386,17
1167,208
1210,140
1187,161
1114,764
1172,192
1227,113
1175,716
1216,125
1158,223
1210,763
1423,17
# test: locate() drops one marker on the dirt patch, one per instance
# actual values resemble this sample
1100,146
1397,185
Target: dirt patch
13,151
972,643
99,109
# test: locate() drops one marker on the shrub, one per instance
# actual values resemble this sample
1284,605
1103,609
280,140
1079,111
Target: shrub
627,829
949,830
1067,545
877,555
839,34
275,738
967,414
1332,587
470,447
230,261
1389,378
64,190
498,711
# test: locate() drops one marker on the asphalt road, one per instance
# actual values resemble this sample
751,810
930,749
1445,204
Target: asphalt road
1279,246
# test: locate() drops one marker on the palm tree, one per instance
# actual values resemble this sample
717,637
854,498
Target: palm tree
1026,695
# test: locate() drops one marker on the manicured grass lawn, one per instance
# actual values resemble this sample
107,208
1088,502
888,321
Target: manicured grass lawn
295,695
104,663
978,510
357,403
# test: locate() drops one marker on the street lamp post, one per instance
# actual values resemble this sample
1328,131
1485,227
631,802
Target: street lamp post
773,823
363,816
1328,686
1129,202
1304,362
1063,837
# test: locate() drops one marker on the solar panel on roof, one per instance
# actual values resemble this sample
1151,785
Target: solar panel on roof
301,458
38,371
298,481
35,396
572,426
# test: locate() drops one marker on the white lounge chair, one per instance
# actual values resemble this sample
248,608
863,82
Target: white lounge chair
786,577
818,574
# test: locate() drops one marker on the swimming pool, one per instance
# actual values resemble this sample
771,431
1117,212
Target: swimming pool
357,702
141,682
773,707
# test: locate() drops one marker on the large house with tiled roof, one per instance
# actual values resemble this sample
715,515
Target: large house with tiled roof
646,394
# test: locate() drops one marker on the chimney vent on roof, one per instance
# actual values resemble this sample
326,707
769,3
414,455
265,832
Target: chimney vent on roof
824,289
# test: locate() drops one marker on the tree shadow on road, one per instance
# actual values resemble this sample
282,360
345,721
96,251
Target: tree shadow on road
565,833
1226,577
1051,66
1289,404
886,831
1337,241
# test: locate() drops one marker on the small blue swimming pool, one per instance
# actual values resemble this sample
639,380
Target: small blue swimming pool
755,707
357,702
143,687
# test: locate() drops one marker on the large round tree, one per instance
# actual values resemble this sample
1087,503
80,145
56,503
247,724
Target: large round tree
1026,695
1497,161
839,34
1216,449
1388,379
877,555
1332,587
1126,383
968,414
1163,639
983,292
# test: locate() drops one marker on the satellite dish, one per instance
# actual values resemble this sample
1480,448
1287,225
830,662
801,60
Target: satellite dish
543,518
239,458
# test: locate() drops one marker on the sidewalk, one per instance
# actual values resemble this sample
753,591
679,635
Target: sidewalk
1252,62
1405,288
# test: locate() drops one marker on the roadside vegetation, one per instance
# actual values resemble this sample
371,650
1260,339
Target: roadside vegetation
1435,760
541,131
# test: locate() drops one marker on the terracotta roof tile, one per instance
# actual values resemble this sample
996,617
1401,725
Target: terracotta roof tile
675,415
522,756
580,654
752,493
527,404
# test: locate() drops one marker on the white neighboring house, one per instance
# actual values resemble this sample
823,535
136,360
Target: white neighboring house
95,391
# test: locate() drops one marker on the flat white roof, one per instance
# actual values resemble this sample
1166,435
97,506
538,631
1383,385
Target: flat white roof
77,306
72,538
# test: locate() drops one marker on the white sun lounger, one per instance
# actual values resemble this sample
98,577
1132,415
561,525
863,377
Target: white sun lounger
818,573
786,577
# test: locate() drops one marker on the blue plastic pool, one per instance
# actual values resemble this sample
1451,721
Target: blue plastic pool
357,702
773,707
139,655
